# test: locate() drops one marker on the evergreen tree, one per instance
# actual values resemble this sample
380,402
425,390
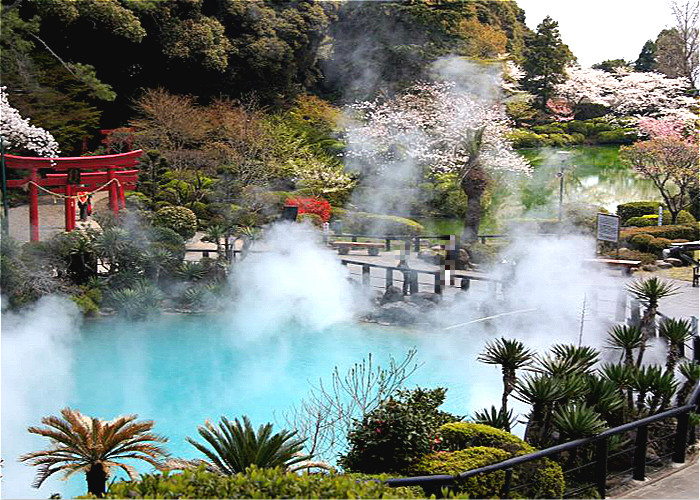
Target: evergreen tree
545,59
645,61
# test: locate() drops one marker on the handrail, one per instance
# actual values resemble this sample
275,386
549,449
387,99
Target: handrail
443,479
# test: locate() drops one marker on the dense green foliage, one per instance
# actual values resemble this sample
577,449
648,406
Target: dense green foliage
601,130
637,209
671,232
234,447
367,223
182,220
253,483
546,57
396,434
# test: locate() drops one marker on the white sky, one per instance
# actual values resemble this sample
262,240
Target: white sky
596,30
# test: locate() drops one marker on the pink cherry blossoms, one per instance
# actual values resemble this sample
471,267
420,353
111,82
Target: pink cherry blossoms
432,124
630,93
20,136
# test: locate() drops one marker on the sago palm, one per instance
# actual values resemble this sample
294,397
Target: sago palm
691,372
511,355
643,380
577,421
621,375
495,418
93,446
626,338
663,387
650,291
233,447
676,332
580,358
603,396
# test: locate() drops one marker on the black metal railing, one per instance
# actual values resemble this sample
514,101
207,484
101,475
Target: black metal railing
600,444
416,240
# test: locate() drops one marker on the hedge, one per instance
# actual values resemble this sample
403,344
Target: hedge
455,462
380,225
637,209
674,232
545,476
684,217
182,220
254,483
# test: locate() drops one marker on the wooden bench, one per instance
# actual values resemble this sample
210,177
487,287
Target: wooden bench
345,246
625,265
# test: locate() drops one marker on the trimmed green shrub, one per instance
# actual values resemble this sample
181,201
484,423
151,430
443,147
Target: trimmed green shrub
628,254
86,305
485,253
182,220
545,475
637,209
617,136
338,213
380,225
674,232
397,433
640,242
460,435
254,483
455,462
684,217
656,245
526,139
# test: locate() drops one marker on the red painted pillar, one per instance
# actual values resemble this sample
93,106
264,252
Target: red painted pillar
122,199
113,202
33,208
70,208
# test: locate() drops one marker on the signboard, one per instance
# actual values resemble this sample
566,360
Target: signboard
608,228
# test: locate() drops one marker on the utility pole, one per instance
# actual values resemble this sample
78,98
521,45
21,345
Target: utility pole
563,155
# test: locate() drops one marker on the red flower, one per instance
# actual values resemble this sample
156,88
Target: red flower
316,206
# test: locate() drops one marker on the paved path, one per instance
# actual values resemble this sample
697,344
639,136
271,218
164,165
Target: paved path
670,483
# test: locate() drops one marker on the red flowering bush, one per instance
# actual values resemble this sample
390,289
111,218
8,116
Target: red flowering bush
398,433
315,206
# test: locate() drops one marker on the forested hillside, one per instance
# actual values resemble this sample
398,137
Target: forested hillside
77,66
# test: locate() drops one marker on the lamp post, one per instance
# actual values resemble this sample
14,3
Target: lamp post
563,156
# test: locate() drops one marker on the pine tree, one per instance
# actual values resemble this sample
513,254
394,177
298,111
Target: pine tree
645,61
545,59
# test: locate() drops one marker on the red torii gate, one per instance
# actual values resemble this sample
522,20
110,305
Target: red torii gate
118,173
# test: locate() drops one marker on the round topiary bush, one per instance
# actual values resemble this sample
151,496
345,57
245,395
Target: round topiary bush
641,242
456,462
656,245
182,220
545,476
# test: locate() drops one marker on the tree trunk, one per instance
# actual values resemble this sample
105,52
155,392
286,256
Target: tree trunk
96,479
648,327
474,185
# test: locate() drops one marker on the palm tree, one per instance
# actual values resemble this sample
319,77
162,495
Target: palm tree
649,291
511,355
626,338
93,446
235,447
215,233
691,371
663,387
542,393
603,396
677,332
580,358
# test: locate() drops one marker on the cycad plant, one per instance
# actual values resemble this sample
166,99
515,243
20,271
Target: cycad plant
643,381
576,421
603,396
541,392
495,418
235,446
626,338
136,302
650,291
511,355
580,358
663,387
621,375
676,332
691,372
93,446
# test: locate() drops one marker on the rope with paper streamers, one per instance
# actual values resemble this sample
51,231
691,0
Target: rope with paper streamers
75,197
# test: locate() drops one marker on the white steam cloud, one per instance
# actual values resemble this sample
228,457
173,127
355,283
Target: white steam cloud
36,372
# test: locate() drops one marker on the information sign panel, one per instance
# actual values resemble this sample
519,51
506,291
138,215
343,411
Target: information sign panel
608,228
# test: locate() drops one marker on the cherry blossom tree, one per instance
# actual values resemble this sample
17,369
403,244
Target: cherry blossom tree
20,136
629,93
442,130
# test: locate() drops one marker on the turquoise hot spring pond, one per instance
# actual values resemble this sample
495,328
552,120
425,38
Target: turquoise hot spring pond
182,370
